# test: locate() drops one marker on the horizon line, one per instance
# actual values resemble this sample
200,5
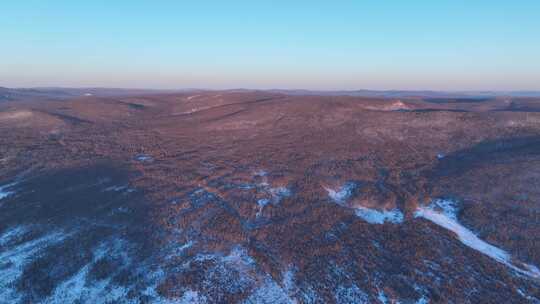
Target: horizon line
273,89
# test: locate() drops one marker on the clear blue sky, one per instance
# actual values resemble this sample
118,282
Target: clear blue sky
449,45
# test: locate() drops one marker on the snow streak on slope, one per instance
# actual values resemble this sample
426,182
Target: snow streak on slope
443,213
370,215
4,192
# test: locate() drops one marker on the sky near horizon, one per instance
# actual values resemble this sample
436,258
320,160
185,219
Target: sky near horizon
323,45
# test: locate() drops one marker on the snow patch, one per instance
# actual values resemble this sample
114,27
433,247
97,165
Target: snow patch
423,298
272,195
118,188
272,292
260,173
269,293
279,193
144,158
189,297
13,234
233,273
246,186
341,195
276,195
445,206
374,216
288,280
528,297
443,214
4,190
396,106
381,296
350,294
370,215
76,290
262,203
13,259
18,250
185,246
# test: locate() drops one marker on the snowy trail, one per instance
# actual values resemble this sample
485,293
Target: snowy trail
446,218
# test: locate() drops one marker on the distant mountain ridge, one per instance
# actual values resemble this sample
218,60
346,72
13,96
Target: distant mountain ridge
43,93
412,93
16,94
